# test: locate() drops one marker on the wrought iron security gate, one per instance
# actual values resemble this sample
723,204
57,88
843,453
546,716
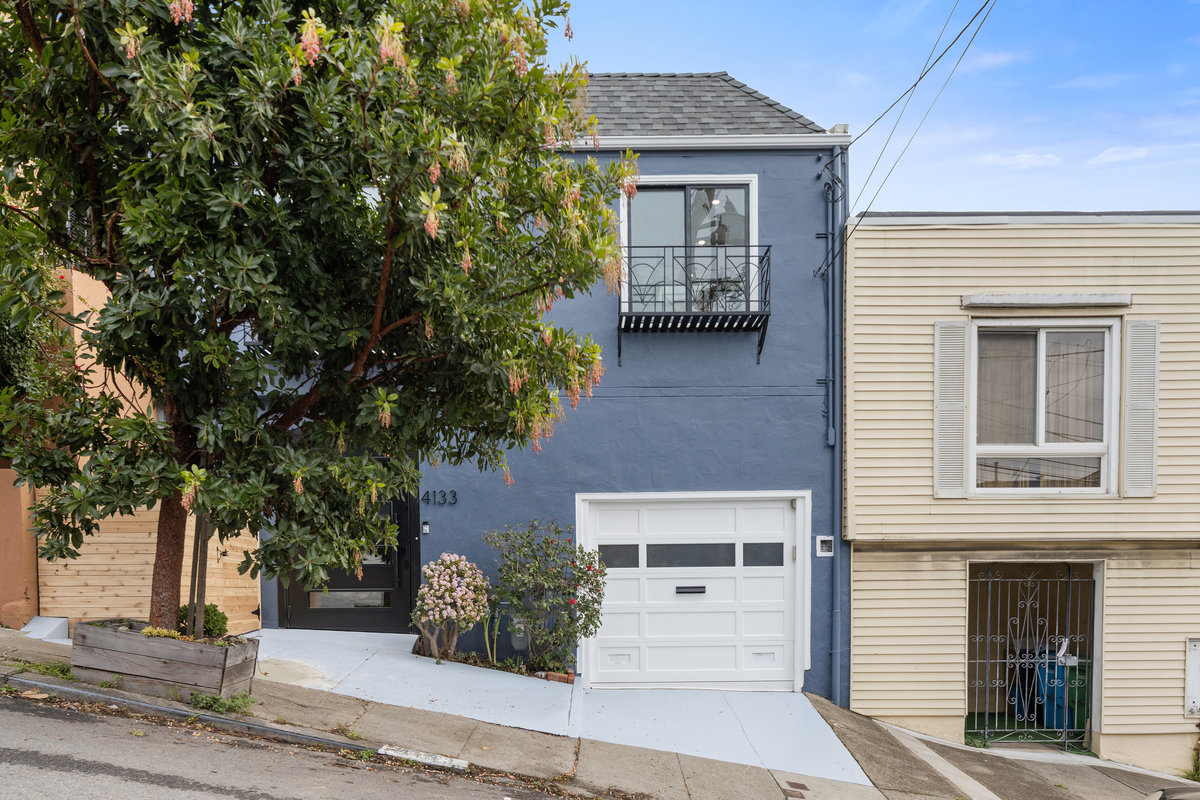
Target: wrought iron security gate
1030,651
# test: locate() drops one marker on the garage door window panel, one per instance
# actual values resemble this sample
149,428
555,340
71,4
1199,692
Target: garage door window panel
762,554
723,554
620,556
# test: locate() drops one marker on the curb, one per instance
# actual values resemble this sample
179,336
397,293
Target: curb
237,726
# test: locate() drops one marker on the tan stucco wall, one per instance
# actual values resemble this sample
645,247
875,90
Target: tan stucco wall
18,555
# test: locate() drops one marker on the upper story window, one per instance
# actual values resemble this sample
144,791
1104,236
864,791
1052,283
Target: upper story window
693,216
1045,407
1043,402
688,249
692,258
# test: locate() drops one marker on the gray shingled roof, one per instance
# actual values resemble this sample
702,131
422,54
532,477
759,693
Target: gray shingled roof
678,104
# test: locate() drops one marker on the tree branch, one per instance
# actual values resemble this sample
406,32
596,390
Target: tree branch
29,24
87,54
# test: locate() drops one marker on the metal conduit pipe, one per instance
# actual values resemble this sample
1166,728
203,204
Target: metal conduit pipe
835,220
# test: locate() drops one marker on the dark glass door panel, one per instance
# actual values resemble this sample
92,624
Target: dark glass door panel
381,600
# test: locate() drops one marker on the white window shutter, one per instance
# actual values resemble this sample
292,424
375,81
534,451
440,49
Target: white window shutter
1140,457
950,409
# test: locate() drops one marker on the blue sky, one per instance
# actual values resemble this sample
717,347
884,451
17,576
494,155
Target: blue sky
1088,105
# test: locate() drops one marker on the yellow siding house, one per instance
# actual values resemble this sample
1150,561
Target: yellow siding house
1023,477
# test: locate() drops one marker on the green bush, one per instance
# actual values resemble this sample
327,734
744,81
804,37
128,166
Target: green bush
552,588
216,623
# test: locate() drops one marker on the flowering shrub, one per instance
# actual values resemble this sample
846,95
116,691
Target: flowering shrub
453,599
553,588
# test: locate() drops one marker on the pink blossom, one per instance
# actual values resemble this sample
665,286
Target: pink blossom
310,41
431,223
182,10
435,172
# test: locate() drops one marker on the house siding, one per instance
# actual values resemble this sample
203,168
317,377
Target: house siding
909,642
905,279
909,635
912,552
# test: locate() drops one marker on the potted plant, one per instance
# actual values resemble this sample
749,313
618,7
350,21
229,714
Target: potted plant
163,661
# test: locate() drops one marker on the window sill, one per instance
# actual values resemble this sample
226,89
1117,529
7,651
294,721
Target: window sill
1047,494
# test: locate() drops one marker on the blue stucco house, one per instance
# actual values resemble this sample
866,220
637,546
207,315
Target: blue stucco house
707,465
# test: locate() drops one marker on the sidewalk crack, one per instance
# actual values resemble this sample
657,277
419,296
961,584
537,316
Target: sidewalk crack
467,740
352,670
683,776
366,707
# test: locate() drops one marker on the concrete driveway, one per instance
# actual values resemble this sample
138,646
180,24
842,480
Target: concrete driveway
775,730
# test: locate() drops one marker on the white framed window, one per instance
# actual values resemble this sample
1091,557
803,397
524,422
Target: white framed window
691,244
1042,401
1045,407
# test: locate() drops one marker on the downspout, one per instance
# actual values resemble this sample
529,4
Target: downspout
835,213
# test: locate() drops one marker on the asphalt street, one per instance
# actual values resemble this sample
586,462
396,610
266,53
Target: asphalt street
48,751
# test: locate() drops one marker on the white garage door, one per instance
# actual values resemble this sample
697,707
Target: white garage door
704,590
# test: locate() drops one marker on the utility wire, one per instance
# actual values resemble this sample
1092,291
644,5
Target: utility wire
887,143
925,72
991,4
987,6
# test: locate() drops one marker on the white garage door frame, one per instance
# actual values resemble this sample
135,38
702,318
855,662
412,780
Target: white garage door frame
801,565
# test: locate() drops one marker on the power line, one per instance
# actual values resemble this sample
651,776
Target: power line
987,5
945,83
925,71
900,116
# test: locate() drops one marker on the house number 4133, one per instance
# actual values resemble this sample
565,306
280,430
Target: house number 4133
439,497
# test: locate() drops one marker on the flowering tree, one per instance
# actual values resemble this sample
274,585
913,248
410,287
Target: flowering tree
329,232
453,599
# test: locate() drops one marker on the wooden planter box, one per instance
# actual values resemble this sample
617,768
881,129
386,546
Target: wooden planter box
158,665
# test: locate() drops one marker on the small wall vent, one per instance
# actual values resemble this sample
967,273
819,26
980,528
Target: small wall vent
825,547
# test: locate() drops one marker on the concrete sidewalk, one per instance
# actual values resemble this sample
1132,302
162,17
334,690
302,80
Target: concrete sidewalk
900,765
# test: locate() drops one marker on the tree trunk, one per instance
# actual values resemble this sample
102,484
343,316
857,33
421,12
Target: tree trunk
168,562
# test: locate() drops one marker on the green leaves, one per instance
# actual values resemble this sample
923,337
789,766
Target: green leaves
552,588
328,241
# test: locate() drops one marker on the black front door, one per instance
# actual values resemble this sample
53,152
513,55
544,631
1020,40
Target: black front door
382,600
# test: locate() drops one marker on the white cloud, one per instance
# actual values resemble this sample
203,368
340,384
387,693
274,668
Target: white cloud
992,60
1116,154
856,79
1096,81
1021,160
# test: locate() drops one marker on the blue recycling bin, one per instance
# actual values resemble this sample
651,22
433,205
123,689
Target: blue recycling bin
1066,693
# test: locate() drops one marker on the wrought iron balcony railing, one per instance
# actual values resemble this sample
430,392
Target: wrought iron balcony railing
696,288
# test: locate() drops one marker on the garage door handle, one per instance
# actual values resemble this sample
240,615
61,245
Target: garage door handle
689,590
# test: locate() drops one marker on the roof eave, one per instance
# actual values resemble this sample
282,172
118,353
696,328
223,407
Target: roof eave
952,218
771,141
